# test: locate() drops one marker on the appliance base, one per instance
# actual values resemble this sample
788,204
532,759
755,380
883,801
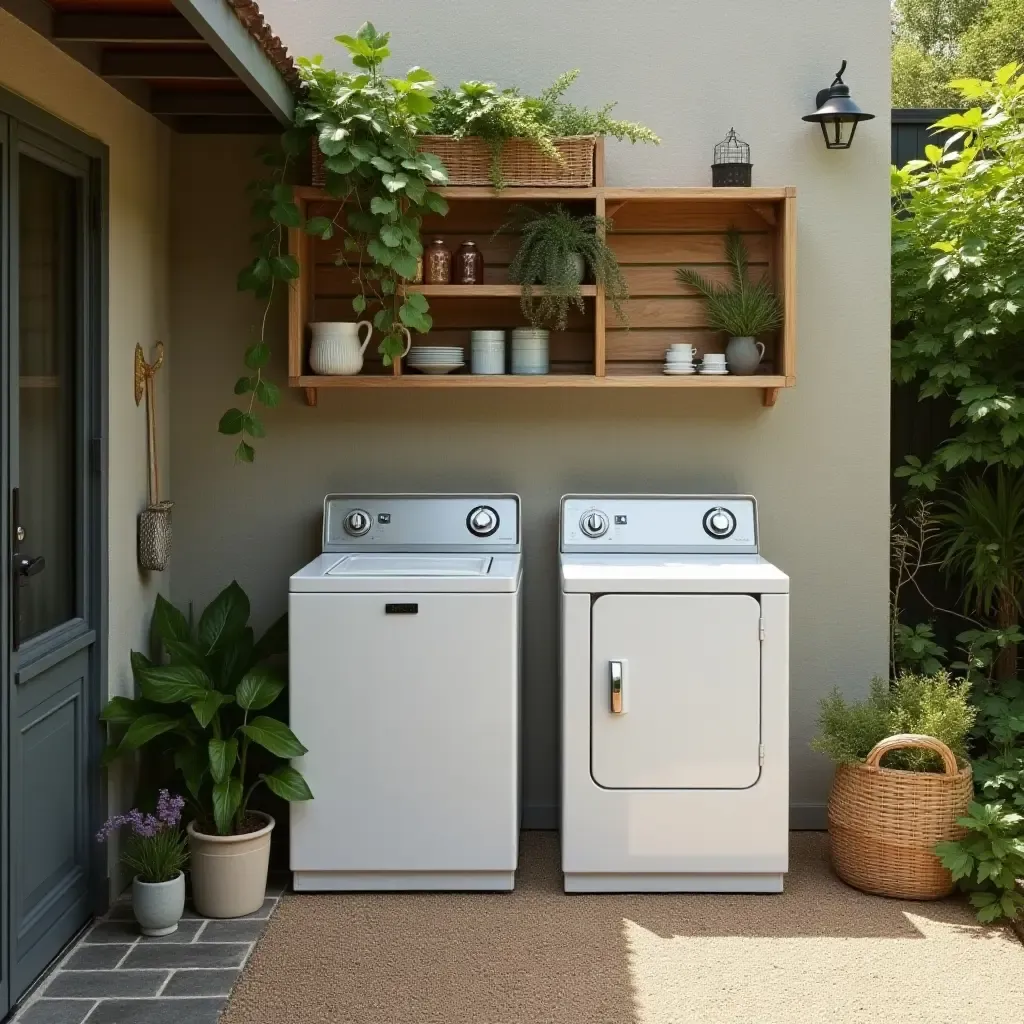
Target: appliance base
665,882
398,881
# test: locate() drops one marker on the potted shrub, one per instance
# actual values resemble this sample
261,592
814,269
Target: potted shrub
743,309
885,821
557,250
200,706
154,850
501,137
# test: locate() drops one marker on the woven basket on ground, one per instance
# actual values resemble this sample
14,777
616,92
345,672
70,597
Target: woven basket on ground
468,161
884,823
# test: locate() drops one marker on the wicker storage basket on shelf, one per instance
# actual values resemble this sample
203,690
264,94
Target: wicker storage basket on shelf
468,161
884,823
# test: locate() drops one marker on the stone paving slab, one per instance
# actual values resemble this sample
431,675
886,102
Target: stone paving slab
157,1011
115,975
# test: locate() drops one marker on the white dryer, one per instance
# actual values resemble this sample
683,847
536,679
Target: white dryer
675,697
404,657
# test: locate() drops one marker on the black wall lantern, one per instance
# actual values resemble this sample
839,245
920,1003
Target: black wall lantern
837,114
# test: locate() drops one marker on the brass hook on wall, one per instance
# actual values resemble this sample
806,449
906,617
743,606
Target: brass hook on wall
144,371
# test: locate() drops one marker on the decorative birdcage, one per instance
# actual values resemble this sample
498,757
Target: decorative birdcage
732,164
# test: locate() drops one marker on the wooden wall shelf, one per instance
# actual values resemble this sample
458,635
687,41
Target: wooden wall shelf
654,231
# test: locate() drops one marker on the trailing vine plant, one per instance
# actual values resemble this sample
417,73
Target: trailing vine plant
365,125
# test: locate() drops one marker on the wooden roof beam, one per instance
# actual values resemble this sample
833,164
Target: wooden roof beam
94,27
165,65
188,102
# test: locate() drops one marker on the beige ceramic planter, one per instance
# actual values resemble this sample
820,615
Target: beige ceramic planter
229,873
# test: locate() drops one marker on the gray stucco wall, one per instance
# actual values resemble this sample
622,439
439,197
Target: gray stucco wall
818,461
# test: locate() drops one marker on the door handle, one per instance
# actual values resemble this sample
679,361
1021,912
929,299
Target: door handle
618,686
22,567
29,566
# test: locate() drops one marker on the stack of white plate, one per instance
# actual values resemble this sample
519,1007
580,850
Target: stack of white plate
436,358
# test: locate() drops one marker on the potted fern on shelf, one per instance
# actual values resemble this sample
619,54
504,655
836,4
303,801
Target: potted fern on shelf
743,308
557,250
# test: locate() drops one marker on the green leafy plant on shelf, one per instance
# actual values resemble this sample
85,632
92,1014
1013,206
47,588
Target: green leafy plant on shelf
556,250
480,109
743,308
365,125
200,706
934,705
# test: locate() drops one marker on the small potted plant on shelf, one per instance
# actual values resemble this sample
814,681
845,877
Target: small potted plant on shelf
153,848
743,308
199,707
886,820
502,137
557,250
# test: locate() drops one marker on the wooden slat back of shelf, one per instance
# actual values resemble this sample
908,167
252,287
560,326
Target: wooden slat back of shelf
651,239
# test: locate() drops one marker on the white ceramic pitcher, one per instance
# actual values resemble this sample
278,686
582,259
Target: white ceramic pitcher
337,350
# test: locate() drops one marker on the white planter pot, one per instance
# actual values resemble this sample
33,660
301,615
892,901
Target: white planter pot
229,873
158,906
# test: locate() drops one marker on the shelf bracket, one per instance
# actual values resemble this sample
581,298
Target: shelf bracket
311,395
765,211
613,208
770,396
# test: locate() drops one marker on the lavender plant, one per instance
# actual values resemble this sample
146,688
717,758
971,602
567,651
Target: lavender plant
154,848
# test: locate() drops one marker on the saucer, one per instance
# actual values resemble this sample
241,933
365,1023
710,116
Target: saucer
679,371
714,372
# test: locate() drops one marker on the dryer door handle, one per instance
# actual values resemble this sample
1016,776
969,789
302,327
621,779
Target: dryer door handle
617,672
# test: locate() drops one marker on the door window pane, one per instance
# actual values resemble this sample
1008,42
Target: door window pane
48,312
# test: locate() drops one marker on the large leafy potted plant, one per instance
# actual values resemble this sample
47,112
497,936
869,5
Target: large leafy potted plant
556,251
743,308
200,706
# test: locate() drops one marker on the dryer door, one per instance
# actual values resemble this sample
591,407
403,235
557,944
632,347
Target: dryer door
676,691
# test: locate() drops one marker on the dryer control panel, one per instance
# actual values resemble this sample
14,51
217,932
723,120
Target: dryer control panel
659,524
421,522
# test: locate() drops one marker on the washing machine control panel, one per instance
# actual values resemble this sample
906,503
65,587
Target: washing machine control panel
421,522
659,524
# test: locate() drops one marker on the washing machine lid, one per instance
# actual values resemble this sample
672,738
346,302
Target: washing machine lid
409,572
671,574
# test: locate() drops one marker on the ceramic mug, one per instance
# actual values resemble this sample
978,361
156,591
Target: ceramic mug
714,359
685,352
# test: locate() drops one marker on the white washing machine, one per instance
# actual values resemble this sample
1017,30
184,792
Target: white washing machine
675,697
404,654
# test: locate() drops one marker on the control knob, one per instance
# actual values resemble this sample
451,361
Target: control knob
482,521
357,522
594,523
719,523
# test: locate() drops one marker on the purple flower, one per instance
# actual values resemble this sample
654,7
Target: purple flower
168,815
169,808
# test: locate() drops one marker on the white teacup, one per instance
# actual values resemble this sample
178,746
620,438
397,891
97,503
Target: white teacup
714,359
681,351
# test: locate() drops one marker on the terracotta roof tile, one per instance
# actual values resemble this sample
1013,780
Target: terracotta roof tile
248,13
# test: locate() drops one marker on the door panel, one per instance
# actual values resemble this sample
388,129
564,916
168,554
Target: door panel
48,343
690,691
49,814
